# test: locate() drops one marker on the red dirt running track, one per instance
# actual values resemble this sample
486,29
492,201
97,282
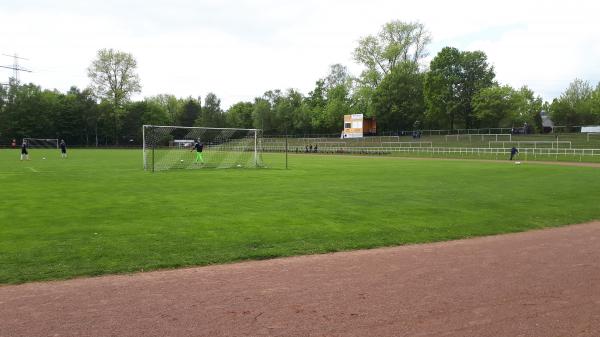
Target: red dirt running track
541,283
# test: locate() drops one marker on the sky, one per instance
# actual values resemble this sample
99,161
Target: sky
240,49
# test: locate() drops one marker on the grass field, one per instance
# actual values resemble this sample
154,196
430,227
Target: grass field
98,212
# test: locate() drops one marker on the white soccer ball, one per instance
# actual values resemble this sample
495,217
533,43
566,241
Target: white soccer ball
518,162
181,160
239,165
44,158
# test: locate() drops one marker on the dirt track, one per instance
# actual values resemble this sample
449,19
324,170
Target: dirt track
541,283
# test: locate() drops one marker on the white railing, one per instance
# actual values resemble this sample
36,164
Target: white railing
535,143
442,150
409,144
479,135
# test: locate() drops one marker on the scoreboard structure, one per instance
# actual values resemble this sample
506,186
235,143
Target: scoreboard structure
357,126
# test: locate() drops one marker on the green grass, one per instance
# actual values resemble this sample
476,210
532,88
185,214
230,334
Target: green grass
98,212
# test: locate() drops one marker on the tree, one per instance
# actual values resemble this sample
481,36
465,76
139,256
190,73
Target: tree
595,103
211,114
262,115
451,83
114,78
575,106
288,111
495,106
141,113
398,101
170,104
191,109
397,42
240,115
529,108
338,75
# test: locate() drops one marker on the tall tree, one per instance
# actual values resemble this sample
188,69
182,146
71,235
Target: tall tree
170,104
114,78
397,42
211,114
398,101
453,80
495,107
190,111
240,115
575,105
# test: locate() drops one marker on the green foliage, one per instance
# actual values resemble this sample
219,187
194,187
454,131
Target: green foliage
169,103
114,79
578,105
190,112
398,101
397,42
211,114
141,113
452,82
495,106
240,115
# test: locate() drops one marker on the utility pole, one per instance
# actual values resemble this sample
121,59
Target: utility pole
16,68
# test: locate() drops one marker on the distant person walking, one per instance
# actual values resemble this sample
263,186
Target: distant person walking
63,149
513,152
24,153
13,144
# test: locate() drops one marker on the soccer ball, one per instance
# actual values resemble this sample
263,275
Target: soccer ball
44,158
181,160
518,162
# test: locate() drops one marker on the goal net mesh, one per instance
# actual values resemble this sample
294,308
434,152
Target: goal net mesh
42,143
172,147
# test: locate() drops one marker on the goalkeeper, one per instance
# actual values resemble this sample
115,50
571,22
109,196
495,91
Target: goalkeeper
198,147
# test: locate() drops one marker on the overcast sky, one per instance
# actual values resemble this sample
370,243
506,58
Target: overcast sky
239,49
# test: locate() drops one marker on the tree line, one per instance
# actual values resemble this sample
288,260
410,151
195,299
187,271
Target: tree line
457,89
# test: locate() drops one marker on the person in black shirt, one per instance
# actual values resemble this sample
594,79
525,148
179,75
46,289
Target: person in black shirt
513,152
198,147
63,149
24,153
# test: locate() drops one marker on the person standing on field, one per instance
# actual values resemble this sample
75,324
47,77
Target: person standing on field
14,143
63,149
198,147
24,153
513,152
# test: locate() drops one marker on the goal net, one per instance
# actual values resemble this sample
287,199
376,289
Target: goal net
42,143
173,147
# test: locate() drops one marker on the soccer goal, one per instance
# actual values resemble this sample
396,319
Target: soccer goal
173,147
42,143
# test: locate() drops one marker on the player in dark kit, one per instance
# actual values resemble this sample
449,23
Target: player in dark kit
198,147
63,149
513,152
24,153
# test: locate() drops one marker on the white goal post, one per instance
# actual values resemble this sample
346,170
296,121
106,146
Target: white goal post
173,147
43,143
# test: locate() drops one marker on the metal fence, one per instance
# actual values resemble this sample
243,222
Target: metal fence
478,151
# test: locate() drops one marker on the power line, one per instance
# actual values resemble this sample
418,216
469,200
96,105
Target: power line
16,68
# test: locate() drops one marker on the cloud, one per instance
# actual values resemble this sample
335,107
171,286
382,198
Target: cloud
239,49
